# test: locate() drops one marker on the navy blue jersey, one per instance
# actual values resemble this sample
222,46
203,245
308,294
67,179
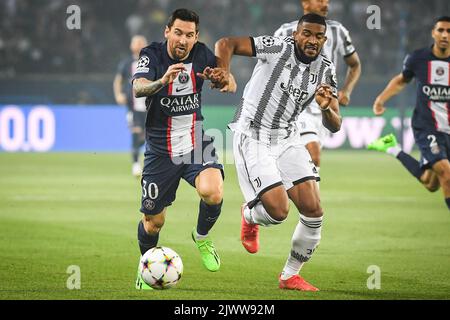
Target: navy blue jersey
127,67
174,118
432,111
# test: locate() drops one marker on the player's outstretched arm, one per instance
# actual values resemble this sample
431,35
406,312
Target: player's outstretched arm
329,105
225,48
120,97
394,87
352,77
143,87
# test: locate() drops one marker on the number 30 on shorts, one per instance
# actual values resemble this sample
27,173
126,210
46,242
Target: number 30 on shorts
151,191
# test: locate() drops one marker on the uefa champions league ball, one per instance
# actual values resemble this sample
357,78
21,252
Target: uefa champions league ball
161,268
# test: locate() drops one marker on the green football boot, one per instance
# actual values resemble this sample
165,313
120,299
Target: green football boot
383,143
209,254
140,283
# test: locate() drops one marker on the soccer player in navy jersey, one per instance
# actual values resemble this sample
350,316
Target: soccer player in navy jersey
171,75
136,106
430,67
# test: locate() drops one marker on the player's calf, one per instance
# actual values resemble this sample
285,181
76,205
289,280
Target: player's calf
430,180
148,231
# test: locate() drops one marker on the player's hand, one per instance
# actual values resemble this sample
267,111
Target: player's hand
217,76
231,86
172,72
220,79
343,98
121,99
378,107
323,96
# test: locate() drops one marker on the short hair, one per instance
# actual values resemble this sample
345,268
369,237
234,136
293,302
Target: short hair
184,15
312,18
442,19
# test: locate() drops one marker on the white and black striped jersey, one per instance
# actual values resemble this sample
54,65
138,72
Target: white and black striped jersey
338,44
280,87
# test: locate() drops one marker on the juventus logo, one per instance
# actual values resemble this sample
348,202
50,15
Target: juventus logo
258,182
313,78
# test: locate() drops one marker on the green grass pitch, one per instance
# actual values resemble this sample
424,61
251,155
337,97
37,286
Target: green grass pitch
64,209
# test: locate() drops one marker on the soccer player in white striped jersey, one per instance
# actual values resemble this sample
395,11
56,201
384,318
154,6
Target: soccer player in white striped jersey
338,44
272,165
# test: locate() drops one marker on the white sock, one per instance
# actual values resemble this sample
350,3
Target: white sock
200,236
259,215
305,240
394,151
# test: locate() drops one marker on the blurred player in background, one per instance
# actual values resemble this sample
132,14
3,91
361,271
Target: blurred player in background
123,94
272,165
339,43
171,75
431,119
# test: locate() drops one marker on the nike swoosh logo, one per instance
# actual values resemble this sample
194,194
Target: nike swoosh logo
180,89
439,79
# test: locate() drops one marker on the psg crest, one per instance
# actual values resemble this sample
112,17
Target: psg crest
440,71
183,77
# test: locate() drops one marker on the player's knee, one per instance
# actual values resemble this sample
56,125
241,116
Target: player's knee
312,210
211,194
277,210
432,187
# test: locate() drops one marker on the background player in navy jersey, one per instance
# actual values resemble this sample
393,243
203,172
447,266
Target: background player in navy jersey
171,76
123,94
431,119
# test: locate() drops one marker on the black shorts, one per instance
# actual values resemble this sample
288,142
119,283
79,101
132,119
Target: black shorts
433,145
161,177
136,119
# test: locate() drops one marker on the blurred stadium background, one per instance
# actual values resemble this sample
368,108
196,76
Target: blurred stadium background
81,208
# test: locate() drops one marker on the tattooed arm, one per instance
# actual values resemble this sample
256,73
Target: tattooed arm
144,88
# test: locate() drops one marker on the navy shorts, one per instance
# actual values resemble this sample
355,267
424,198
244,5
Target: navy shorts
138,119
433,145
161,177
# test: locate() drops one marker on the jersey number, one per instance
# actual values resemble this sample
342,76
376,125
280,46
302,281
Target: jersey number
432,139
151,191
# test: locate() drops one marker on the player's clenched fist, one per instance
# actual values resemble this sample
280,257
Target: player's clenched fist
378,107
172,72
323,96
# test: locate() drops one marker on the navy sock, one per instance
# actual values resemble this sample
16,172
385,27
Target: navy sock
135,147
207,217
145,240
411,164
447,201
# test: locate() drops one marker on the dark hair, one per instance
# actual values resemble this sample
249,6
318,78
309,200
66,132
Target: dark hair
184,15
442,19
312,18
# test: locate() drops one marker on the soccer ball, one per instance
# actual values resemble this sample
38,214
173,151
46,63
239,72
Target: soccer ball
161,268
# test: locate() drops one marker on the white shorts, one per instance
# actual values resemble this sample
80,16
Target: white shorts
261,167
311,128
